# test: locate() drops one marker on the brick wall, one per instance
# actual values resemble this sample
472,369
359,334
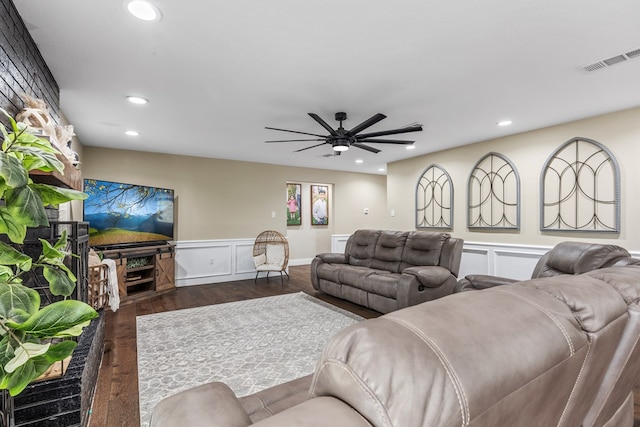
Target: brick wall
22,68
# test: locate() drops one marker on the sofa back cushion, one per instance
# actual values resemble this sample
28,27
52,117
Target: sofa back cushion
577,258
423,248
388,252
361,247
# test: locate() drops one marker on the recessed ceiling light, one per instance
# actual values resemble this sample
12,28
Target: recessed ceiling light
359,161
504,122
143,10
380,169
132,133
411,147
137,100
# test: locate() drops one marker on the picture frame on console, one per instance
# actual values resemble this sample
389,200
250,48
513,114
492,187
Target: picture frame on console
294,204
319,204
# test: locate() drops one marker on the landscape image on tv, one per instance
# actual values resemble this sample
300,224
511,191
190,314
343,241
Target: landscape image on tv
125,214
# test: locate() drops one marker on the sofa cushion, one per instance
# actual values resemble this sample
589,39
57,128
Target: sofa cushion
388,252
361,247
351,275
423,248
381,283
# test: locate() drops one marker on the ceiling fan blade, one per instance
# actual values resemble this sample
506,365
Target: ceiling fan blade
296,140
365,147
295,131
412,128
323,123
313,146
367,123
386,141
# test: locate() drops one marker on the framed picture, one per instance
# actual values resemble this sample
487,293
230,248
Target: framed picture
319,205
294,200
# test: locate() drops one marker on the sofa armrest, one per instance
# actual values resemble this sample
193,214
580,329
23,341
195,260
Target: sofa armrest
483,281
423,283
325,258
212,404
334,258
429,276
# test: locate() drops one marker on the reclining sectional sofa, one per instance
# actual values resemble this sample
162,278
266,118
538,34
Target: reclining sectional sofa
389,270
557,351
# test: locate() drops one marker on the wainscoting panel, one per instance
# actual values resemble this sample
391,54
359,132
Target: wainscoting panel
495,259
474,261
200,262
339,242
213,261
244,258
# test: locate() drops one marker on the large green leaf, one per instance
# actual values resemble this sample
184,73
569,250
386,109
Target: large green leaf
23,353
11,256
12,171
36,158
55,318
60,283
51,195
26,206
6,354
21,377
11,227
17,302
50,251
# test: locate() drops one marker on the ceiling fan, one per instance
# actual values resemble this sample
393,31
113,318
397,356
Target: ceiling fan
341,139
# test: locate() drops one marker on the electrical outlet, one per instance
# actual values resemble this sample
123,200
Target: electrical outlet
212,261
366,211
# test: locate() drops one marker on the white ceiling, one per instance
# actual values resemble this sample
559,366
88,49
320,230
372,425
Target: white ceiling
217,72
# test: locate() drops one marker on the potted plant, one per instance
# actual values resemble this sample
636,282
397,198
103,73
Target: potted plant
32,338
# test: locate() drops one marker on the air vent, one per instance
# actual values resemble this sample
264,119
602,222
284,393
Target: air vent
608,62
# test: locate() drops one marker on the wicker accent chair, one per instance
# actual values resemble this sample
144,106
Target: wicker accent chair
271,253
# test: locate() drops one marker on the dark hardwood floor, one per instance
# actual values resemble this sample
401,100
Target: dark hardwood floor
116,397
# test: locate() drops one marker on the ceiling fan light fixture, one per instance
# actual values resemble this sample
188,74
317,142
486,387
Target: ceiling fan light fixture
340,147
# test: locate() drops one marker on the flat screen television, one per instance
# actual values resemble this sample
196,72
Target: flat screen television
121,215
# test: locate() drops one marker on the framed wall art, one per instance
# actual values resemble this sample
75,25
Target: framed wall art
294,204
434,199
319,205
580,188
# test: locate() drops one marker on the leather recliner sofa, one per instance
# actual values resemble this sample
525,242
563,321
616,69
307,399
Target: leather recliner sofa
564,258
558,351
389,270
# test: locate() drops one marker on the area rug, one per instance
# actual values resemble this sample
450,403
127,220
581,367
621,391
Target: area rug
249,345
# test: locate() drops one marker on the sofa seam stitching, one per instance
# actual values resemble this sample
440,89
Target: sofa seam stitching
360,383
448,367
548,314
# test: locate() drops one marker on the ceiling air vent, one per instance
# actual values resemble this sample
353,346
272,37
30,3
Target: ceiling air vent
608,62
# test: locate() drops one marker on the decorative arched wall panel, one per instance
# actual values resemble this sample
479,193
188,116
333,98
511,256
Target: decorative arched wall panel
580,188
434,199
494,194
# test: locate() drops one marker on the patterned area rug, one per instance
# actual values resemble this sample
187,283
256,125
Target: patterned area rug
249,345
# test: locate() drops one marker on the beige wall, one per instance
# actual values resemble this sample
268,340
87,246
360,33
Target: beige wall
619,132
222,199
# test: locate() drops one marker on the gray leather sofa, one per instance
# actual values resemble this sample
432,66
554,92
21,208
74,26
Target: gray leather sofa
558,351
564,258
389,270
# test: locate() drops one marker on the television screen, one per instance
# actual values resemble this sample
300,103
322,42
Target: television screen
126,214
